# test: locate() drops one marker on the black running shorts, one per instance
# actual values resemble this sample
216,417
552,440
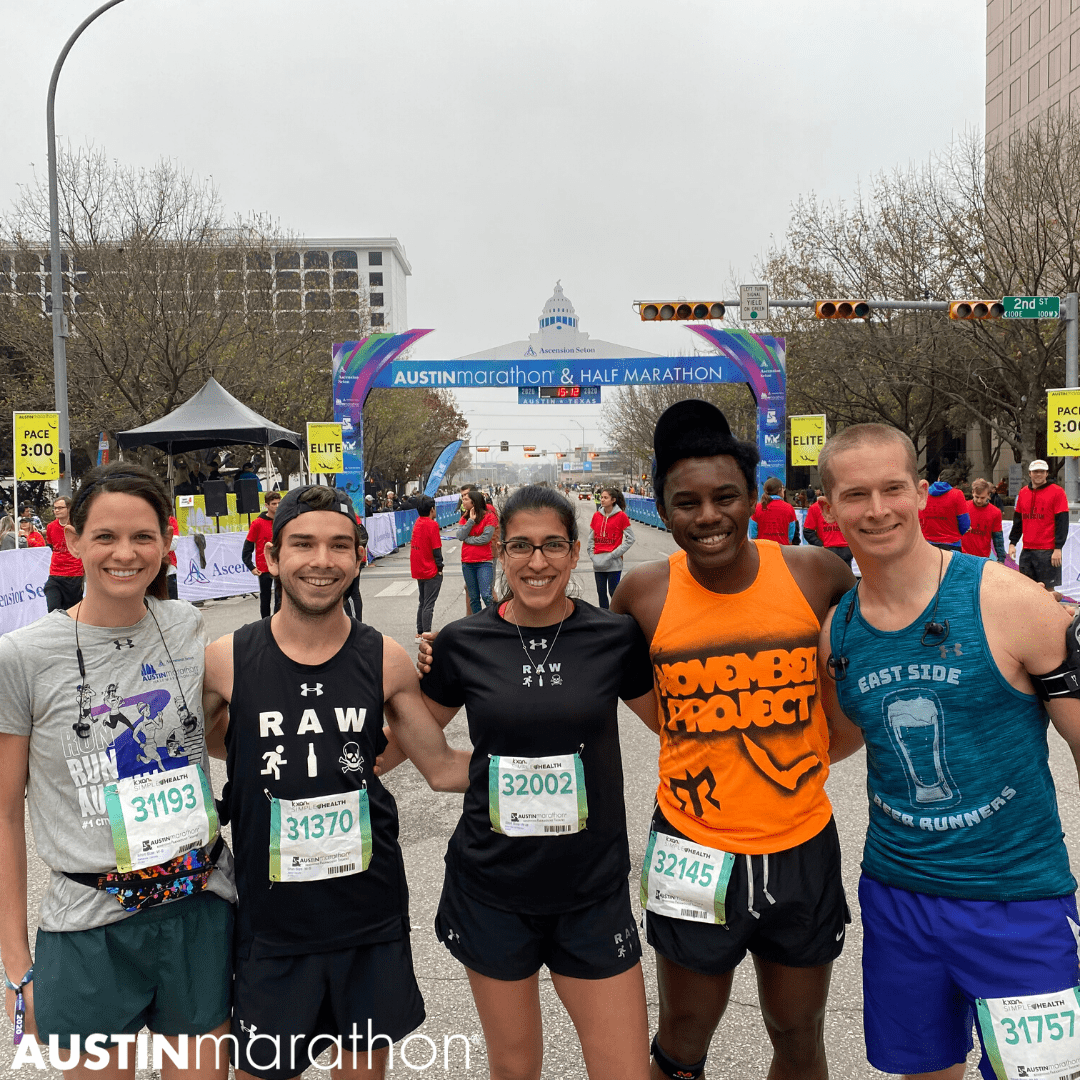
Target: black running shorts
596,942
788,908
286,1006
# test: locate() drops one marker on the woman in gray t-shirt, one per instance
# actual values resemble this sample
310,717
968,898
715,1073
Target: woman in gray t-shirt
101,726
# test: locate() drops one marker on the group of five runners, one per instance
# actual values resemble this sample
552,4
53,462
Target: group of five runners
717,649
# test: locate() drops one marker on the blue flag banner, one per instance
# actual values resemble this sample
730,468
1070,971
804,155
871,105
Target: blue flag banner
438,470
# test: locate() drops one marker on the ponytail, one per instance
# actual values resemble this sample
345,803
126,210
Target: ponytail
773,487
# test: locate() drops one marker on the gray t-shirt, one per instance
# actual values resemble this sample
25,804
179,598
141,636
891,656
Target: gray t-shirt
131,702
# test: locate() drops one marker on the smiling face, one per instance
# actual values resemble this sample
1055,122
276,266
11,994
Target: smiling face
707,508
538,582
121,547
316,560
60,510
876,501
1038,477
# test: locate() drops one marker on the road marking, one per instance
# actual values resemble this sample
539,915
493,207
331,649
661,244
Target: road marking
400,588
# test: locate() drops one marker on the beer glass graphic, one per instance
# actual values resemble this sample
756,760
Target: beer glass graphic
913,719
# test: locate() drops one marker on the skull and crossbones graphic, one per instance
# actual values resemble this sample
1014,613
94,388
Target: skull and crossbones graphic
351,759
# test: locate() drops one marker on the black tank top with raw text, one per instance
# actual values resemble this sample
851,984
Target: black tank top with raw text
287,720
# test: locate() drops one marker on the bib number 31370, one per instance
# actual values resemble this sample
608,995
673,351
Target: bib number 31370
537,796
316,839
1033,1036
684,880
160,815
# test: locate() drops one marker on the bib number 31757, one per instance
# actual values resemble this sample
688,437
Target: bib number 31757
158,816
1033,1036
537,796
316,839
684,880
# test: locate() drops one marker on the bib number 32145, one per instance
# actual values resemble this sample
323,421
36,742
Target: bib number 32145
1033,1036
537,796
316,839
684,880
158,816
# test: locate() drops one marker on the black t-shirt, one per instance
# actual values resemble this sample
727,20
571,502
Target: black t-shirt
598,658
288,721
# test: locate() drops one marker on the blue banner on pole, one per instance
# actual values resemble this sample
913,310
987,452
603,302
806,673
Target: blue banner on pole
438,470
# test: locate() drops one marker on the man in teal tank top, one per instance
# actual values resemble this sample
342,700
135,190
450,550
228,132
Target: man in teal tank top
967,897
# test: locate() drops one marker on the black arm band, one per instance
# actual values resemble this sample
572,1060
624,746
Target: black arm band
1064,680
1061,528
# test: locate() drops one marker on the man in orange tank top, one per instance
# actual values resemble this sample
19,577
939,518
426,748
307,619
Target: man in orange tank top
743,854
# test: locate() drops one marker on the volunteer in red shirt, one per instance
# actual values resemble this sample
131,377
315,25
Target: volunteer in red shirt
32,537
259,535
1041,516
170,576
818,531
64,587
985,524
610,538
945,519
426,561
477,529
773,518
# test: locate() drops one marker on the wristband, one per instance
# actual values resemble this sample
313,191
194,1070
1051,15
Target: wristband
20,1002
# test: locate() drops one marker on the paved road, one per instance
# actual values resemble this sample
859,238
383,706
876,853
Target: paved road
740,1049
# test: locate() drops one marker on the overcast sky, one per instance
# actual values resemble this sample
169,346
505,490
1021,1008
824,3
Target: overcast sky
631,149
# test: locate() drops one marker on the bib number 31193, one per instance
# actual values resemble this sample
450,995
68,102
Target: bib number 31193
537,796
684,880
1034,1036
316,839
158,816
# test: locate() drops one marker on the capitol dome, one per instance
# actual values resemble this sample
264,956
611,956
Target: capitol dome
558,311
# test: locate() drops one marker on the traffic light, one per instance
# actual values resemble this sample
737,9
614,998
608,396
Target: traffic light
528,448
841,309
592,456
504,446
482,449
680,310
976,309
532,455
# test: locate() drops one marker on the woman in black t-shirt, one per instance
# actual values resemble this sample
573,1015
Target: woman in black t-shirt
536,871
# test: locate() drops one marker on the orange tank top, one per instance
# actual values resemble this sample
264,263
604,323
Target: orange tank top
743,738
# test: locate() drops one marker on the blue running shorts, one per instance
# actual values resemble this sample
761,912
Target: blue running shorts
927,958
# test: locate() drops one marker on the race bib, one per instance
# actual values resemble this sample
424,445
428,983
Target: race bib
159,816
537,796
684,880
1034,1036
315,839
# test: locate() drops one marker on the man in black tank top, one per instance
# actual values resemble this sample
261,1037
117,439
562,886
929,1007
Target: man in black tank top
296,705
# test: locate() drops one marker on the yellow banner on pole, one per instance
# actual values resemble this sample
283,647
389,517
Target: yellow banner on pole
36,445
325,450
807,439
1063,423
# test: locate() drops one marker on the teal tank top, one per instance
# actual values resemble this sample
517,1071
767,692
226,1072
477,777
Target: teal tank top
961,799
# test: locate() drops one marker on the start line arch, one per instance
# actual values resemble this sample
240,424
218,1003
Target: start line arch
741,357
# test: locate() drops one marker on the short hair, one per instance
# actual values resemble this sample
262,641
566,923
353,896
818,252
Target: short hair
859,435
980,486
273,496
424,505
64,499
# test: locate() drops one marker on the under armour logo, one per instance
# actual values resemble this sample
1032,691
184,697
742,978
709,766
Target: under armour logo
248,1030
957,650
123,643
316,689
534,644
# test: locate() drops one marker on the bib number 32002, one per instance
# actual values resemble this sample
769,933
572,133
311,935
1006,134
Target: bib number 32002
316,839
160,815
537,796
684,880
1033,1036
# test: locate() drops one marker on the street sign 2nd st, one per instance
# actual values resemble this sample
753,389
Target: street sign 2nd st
1031,307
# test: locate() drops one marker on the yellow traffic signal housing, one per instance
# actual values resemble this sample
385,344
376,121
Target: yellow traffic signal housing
976,309
482,449
680,310
841,309
528,448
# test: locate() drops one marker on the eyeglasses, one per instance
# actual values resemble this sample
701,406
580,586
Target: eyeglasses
552,549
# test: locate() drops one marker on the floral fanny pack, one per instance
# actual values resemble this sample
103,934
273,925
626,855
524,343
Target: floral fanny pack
139,889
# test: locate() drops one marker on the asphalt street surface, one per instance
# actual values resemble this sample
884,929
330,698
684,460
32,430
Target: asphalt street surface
740,1049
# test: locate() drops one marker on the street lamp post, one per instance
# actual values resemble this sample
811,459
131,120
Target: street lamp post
58,321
